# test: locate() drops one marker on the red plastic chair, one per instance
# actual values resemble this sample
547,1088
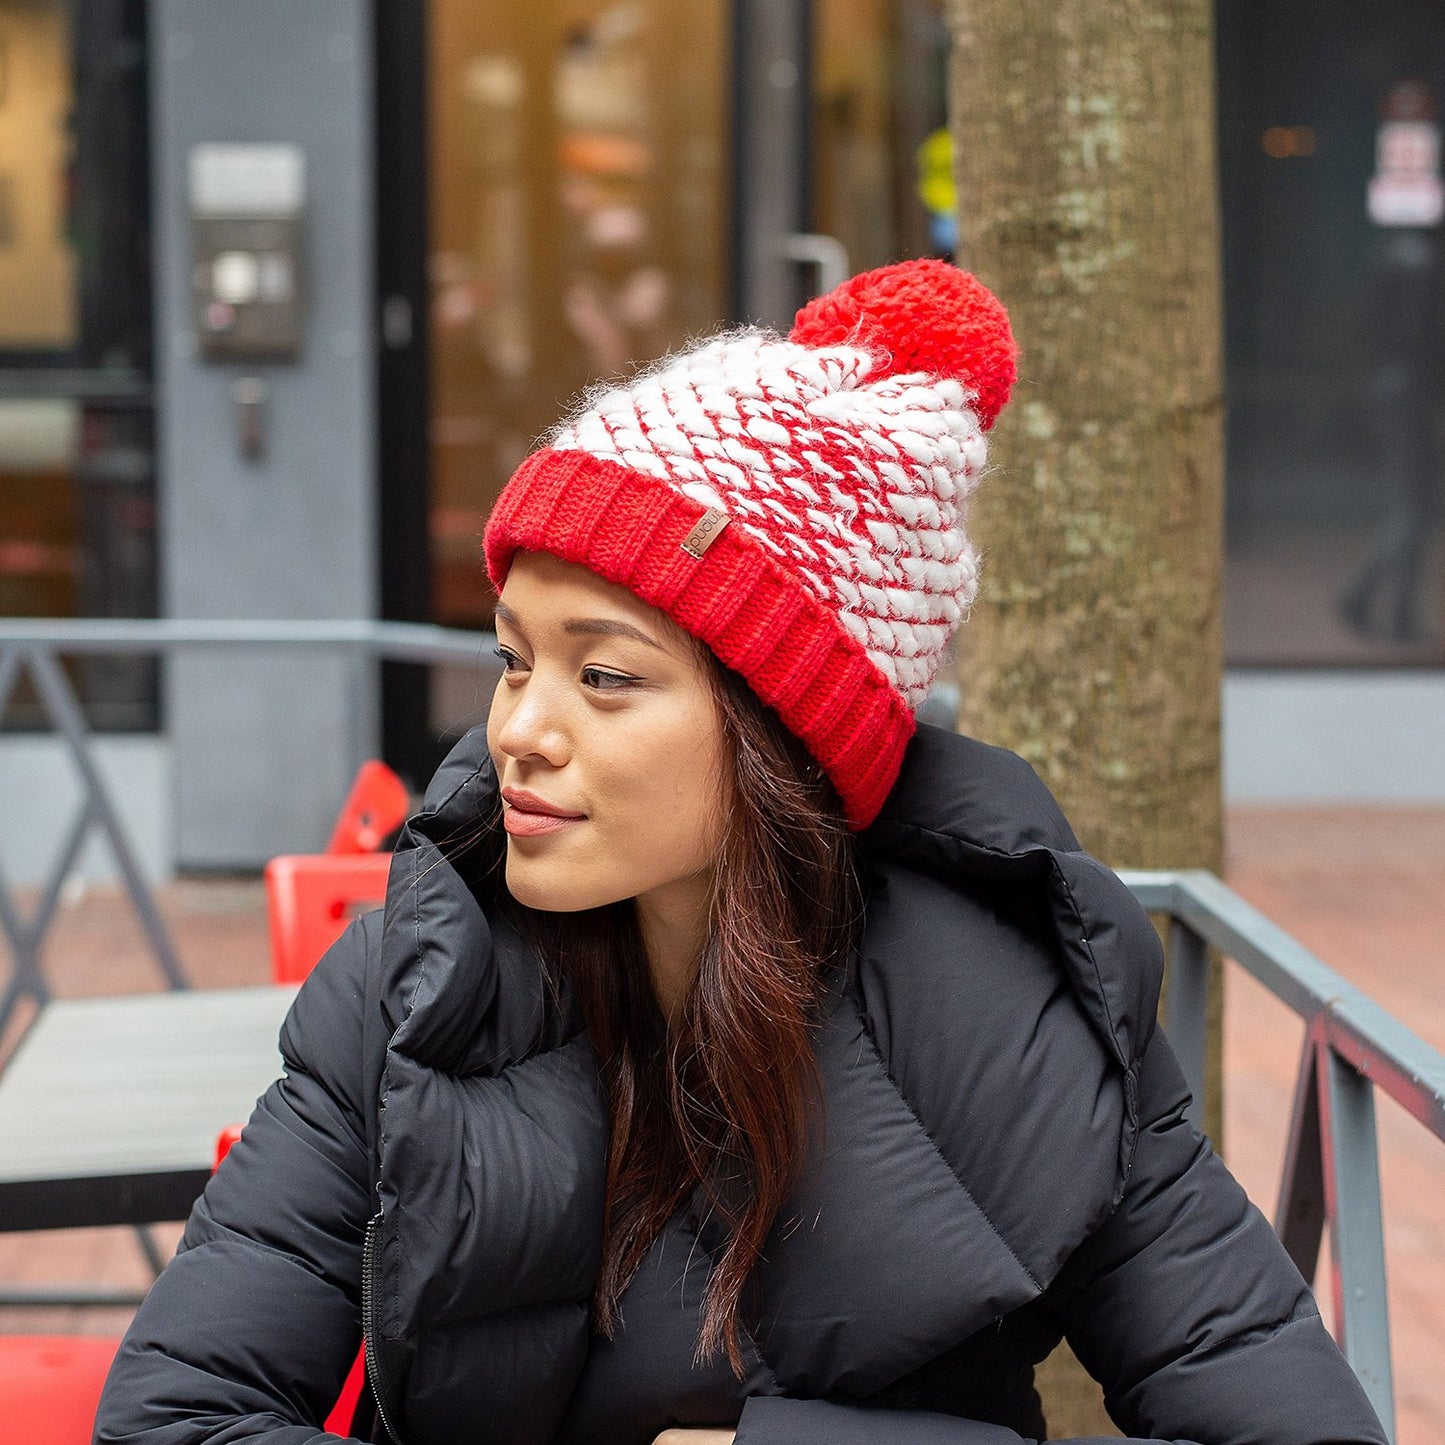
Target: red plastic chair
338,1422
374,809
310,898
224,1140
50,1386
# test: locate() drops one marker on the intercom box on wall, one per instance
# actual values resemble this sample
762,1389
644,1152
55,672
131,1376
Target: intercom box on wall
247,225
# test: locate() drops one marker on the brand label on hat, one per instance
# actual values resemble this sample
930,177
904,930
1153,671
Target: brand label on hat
709,528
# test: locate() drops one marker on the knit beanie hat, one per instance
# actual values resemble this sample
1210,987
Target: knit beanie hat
797,504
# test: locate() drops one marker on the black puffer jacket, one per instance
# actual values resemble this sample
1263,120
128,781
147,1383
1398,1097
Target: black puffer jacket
1004,1160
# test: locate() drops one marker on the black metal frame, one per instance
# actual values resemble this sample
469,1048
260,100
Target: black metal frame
772,140
403,379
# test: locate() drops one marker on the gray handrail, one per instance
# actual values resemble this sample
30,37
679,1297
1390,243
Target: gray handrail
1331,1172
391,641
1368,1037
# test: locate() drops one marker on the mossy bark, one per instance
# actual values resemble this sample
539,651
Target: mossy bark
1085,155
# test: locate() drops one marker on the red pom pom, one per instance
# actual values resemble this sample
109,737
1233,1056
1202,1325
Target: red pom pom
923,316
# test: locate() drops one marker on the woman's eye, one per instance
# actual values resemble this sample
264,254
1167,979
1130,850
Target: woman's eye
510,661
605,680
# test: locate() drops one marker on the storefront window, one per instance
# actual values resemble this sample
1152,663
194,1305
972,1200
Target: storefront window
77,486
1334,269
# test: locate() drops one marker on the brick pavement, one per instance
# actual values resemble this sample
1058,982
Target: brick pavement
1362,887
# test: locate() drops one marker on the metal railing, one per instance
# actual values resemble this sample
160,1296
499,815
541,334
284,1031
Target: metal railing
35,646
1352,1047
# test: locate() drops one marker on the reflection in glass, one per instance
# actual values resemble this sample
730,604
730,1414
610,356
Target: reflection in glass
77,487
1335,350
879,129
77,539
577,168
38,548
39,305
1382,596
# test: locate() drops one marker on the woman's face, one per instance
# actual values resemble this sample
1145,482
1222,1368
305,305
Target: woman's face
608,746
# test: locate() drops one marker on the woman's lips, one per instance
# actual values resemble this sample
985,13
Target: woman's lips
528,816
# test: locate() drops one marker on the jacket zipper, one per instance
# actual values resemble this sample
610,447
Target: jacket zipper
374,1372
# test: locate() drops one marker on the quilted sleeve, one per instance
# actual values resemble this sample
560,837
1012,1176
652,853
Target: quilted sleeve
250,1330
1187,1310
1184,1306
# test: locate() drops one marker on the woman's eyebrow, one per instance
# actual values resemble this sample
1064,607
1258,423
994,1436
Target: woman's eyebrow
589,626
608,627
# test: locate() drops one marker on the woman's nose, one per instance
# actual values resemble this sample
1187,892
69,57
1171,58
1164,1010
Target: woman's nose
526,722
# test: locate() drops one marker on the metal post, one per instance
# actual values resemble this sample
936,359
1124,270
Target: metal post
1352,1048
1187,1010
1357,1231
27,936
63,1296
1299,1216
770,154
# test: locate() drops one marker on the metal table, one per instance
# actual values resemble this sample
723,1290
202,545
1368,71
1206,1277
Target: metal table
110,1107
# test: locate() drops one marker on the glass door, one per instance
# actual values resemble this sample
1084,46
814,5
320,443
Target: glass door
841,151
579,159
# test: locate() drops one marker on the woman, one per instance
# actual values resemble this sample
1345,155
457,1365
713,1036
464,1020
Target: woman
732,1058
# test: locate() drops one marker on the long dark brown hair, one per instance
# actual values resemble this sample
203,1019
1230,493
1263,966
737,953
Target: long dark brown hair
719,1102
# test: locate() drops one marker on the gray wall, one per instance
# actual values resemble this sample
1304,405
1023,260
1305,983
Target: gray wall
263,749
1334,737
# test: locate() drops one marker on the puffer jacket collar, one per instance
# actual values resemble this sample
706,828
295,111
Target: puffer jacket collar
964,809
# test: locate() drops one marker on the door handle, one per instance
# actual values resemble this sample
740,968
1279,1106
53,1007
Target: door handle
826,253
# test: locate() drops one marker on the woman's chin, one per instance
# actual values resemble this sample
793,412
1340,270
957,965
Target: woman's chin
542,890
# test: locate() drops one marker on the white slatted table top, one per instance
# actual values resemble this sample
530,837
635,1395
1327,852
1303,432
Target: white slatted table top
139,1085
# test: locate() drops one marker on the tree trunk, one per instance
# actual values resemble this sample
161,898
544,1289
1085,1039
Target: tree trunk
1084,140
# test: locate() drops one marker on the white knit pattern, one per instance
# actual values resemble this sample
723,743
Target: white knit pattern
859,488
